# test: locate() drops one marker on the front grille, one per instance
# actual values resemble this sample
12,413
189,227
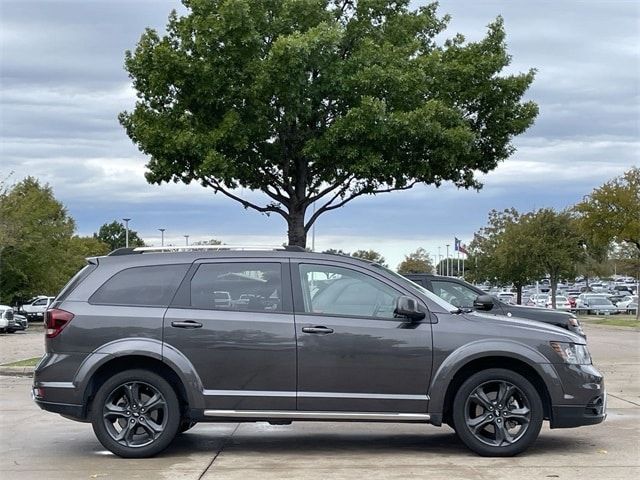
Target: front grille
595,407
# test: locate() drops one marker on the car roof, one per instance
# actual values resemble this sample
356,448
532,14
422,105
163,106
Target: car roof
189,256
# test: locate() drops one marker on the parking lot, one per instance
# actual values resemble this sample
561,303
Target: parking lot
41,445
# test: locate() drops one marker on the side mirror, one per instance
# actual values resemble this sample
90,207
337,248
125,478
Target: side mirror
483,302
408,307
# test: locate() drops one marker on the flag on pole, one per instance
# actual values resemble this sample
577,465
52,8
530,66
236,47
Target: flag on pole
459,246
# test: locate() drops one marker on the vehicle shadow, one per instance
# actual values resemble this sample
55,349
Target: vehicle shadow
295,441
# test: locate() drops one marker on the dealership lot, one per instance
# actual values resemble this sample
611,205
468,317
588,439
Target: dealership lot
38,444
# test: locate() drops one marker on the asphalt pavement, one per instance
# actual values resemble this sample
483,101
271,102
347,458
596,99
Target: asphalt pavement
40,445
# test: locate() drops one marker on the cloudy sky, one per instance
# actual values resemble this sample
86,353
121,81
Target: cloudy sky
63,85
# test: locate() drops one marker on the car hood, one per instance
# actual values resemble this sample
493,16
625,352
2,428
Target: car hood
547,312
548,330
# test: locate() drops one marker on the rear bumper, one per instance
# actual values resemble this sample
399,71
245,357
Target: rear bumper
74,412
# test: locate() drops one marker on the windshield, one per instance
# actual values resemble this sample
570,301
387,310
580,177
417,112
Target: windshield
430,295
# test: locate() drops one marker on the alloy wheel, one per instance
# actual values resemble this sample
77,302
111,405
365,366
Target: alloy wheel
497,413
135,414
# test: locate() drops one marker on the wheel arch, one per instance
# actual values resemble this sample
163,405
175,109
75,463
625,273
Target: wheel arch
485,363
477,356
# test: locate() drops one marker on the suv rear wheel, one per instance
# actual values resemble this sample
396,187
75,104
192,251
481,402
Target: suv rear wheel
135,414
497,412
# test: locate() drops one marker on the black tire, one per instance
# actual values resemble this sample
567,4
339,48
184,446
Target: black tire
139,406
186,424
497,413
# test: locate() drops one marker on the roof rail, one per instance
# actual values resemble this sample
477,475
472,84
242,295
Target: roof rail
197,248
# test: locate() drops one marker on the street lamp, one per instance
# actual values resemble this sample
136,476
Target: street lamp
126,232
438,269
186,238
447,260
162,238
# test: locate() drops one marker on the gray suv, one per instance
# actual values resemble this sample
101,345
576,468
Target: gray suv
144,343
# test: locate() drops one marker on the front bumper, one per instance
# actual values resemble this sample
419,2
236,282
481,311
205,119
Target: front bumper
569,416
584,399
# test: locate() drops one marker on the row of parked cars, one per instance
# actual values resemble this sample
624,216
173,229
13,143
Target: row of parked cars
590,303
16,319
11,322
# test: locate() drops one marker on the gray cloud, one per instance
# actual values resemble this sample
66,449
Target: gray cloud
63,84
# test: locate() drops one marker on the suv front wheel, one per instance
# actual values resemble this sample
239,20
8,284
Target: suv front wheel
497,412
136,414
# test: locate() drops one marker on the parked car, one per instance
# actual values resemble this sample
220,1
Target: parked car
21,323
463,295
629,304
507,297
138,345
599,306
34,309
539,300
583,298
5,312
562,303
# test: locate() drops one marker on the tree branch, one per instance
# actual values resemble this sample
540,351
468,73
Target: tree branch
327,206
245,203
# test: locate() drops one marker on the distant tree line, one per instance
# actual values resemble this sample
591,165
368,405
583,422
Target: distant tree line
39,247
585,240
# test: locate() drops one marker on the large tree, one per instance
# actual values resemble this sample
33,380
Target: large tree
320,102
38,249
554,241
416,262
503,252
612,211
370,255
114,234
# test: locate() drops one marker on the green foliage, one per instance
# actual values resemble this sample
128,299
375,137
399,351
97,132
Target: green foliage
333,251
114,235
370,255
35,230
212,241
416,262
612,211
515,248
501,252
321,101
554,241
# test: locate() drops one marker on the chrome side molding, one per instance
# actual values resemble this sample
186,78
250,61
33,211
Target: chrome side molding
298,415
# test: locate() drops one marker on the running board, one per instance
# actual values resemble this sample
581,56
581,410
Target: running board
298,415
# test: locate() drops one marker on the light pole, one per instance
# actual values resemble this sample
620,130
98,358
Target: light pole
313,231
447,259
162,236
438,269
126,232
186,238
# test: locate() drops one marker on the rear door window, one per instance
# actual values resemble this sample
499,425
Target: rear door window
241,286
152,286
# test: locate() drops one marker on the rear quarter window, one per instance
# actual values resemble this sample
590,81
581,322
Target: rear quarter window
152,286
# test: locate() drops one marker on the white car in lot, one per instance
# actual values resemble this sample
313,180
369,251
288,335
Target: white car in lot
4,320
562,303
539,300
34,309
628,304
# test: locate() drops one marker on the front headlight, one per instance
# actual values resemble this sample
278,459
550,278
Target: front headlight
572,353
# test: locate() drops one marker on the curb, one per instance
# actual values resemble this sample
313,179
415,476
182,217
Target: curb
16,371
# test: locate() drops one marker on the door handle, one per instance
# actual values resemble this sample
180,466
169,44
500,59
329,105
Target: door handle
321,330
186,324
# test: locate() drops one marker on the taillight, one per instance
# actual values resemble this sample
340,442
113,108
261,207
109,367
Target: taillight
55,320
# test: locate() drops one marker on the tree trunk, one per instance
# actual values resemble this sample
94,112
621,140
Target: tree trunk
554,286
297,233
519,294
